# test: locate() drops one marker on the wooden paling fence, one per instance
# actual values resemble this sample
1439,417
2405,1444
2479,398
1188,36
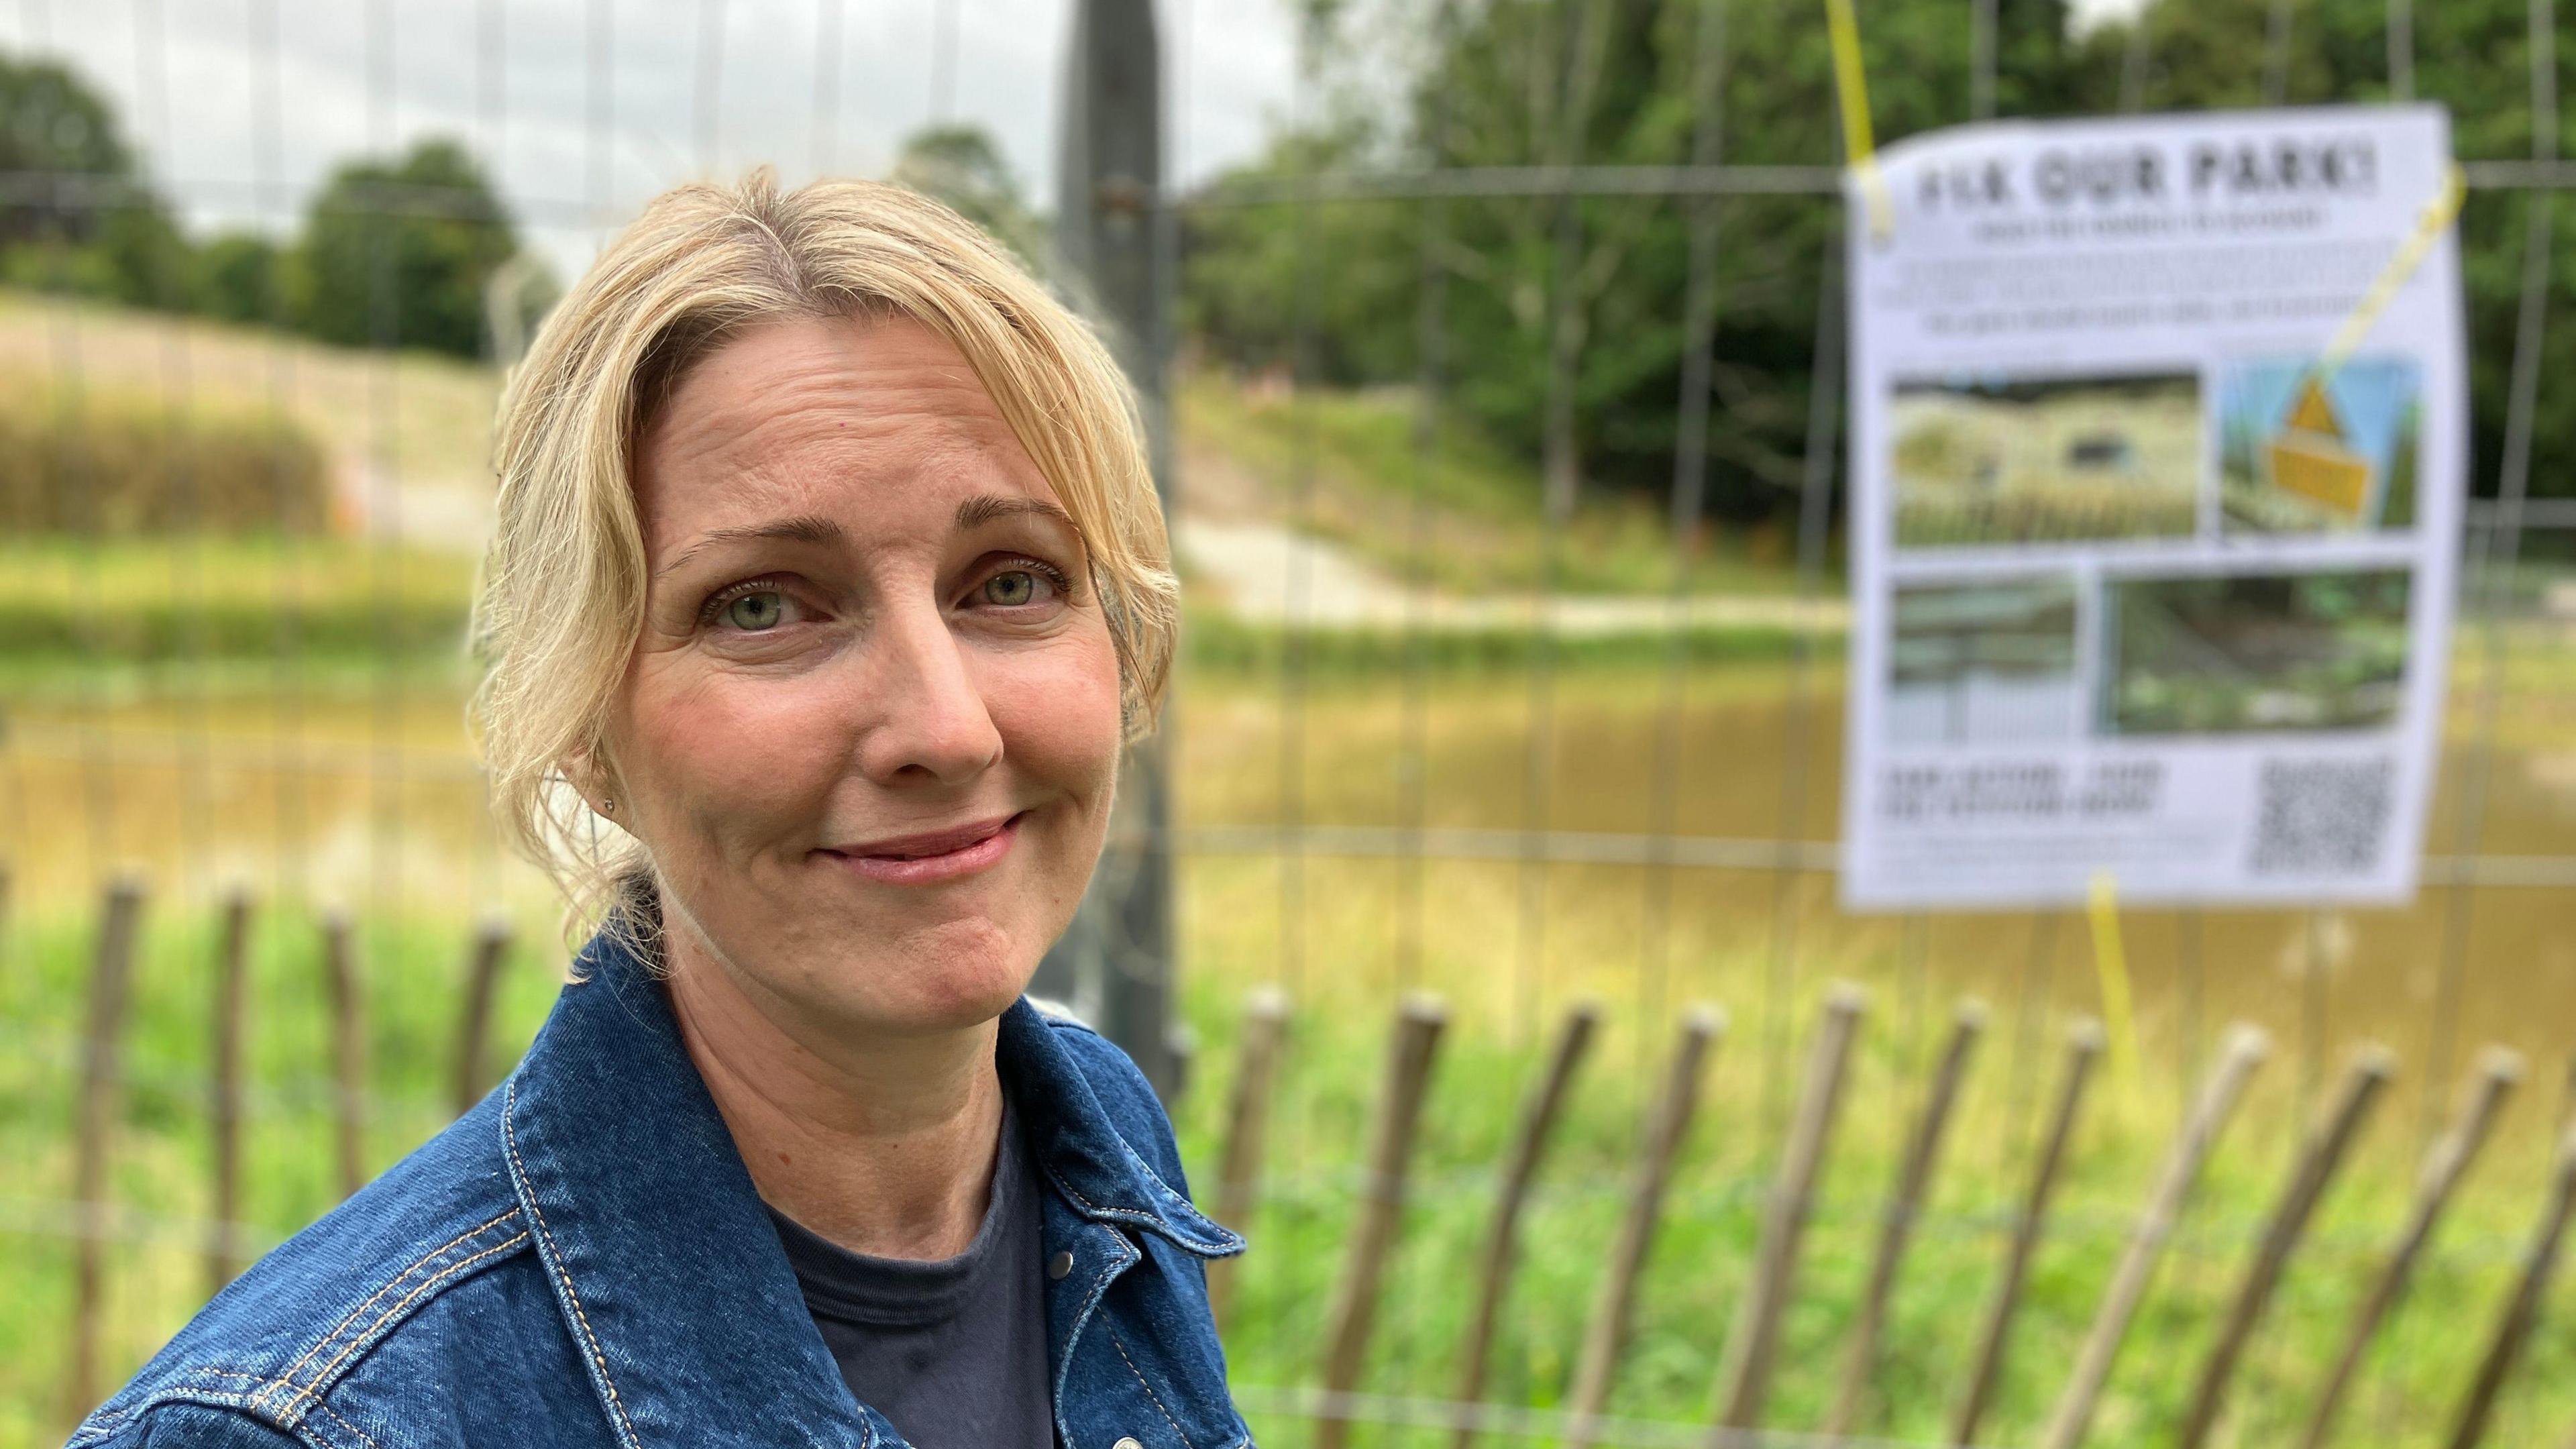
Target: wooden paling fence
102,1078
1741,1394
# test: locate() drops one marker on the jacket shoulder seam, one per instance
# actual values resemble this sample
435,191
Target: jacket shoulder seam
289,1401
459,1252
375,1332
197,1388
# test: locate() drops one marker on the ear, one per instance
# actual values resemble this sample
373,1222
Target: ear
587,775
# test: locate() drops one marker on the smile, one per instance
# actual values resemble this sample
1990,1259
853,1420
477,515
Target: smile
929,859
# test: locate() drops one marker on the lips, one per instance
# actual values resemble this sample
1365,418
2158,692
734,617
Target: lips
934,855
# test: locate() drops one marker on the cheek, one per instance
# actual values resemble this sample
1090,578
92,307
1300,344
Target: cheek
1057,712
730,757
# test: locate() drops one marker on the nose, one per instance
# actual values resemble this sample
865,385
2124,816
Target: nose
926,716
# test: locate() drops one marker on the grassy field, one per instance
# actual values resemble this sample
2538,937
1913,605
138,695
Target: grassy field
297,670
1699,1265
1346,466
425,418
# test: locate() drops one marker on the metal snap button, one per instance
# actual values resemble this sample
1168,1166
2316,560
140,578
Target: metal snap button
1127,1443
1057,1267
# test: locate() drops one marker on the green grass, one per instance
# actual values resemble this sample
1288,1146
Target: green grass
1698,1268
71,606
418,416
1346,465
146,611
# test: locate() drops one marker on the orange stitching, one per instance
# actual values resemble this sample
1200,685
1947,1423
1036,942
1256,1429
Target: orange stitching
342,1421
288,1380
590,1336
1148,1388
309,1391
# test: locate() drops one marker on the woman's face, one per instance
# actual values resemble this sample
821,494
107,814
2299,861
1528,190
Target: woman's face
870,734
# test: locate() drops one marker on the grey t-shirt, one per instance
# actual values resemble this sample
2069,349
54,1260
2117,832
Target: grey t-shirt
954,1352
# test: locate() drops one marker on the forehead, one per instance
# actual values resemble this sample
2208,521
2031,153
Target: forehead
879,422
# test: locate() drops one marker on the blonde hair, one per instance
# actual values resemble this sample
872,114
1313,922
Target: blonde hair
560,601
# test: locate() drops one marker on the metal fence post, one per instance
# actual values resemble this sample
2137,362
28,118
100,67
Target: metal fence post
1113,233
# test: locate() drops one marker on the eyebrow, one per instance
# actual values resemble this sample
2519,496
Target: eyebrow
807,528
976,512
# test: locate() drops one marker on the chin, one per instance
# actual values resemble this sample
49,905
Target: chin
955,979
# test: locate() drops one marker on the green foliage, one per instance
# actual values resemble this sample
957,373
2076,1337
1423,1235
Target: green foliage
52,125
960,166
1497,91
240,277
2473,57
396,254
1531,83
87,223
118,464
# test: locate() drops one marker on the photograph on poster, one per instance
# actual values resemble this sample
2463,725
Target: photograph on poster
1986,459
2309,451
1984,662
2243,653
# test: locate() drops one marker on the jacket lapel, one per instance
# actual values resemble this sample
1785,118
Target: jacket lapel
662,1261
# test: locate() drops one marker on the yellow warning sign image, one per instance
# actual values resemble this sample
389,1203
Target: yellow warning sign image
2304,449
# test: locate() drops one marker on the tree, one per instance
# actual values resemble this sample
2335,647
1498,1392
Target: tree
397,254
2471,56
239,277
959,166
1579,301
80,218
54,128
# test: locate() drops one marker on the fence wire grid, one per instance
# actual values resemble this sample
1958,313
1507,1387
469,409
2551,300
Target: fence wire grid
1367,801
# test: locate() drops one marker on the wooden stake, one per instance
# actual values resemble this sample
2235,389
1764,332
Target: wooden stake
2371,1067
1744,1375
2243,1051
348,1050
94,1127
1667,1123
469,1078
2522,1310
2497,1073
1391,1138
223,1250
1247,1130
1913,1179
2083,1049
1538,1122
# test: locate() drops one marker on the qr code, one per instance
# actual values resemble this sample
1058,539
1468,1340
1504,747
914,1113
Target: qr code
2323,817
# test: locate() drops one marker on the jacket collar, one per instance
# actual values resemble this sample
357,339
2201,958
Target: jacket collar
659,1253
1073,1138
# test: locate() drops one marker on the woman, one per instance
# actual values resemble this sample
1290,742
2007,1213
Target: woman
829,583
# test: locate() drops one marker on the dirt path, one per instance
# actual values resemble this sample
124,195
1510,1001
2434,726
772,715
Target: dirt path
1241,556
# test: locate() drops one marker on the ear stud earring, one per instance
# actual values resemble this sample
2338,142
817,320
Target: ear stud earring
607,806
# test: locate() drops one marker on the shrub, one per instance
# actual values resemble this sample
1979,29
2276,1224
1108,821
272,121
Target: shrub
118,464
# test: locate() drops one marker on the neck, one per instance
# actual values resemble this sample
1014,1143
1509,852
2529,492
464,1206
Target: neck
882,1143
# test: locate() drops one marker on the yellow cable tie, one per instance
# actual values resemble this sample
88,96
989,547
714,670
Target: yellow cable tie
2435,220
1851,88
2111,964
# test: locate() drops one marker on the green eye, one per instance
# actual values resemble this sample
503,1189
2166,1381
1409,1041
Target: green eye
756,611
1007,589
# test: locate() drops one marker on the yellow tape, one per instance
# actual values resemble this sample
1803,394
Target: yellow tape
2436,219
1851,88
2111,964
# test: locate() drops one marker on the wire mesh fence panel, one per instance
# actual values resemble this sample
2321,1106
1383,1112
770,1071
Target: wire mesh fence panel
1494,360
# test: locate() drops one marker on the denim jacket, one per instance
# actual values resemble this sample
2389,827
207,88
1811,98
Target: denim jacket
582,1260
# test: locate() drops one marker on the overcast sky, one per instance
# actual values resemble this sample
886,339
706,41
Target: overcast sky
224,97
213,104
